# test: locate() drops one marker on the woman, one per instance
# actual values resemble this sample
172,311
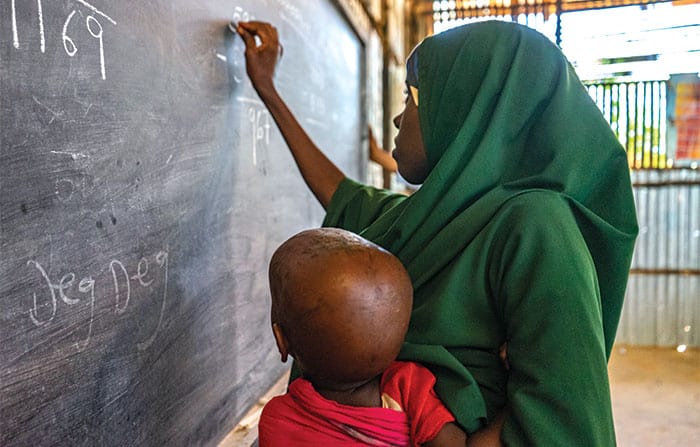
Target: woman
521,233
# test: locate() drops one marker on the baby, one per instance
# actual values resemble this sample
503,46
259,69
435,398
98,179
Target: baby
341,307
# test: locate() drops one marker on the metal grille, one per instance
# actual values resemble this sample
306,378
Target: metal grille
525,12
636,112
446,10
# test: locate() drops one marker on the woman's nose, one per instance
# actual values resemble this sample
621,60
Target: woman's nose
397,120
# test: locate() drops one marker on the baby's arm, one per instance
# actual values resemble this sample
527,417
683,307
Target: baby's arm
413,384
489,436
451,435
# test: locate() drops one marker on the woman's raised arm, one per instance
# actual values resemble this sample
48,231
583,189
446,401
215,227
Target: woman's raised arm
319,173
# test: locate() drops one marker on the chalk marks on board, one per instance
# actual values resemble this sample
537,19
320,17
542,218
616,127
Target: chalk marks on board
238,60
240,14
73,155
78,187
97,32
258,119
259,123
293,16
70,291
92,24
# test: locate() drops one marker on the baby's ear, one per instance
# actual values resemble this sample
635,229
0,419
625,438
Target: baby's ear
281,340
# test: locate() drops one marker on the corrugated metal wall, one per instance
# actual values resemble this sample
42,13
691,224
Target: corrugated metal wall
662,306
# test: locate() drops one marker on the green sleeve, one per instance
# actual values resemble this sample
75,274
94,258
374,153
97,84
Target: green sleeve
547,293
354,206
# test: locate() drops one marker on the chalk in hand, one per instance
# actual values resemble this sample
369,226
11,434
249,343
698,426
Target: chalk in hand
233,26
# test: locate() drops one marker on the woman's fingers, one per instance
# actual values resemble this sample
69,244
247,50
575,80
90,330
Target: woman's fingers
247,37
264,31
262,51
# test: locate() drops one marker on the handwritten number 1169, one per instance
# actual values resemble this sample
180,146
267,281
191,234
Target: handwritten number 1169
92,24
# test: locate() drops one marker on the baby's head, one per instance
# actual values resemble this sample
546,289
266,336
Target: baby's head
340,305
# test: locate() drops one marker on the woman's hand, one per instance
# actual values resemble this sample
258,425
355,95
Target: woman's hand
379,155
261,59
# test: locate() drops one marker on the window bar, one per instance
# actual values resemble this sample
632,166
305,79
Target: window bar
646,151
656,94
638,152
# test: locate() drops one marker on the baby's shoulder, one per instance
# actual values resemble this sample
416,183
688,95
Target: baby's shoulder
406,377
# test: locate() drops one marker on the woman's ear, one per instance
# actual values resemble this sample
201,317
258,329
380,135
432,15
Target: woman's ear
282,342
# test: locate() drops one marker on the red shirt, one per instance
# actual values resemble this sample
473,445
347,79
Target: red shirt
413,414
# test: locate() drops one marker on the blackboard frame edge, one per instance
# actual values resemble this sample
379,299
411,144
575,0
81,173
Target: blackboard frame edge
245,433
362,24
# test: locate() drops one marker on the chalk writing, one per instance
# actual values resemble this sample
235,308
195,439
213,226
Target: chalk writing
15,36
93,25
290,13
259,119
260,124
91,20
67,40
40,11
96,11
86,285
316,103
62,291
238,60
162,261
76,188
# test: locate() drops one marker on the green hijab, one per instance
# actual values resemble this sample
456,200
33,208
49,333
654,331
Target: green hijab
503,112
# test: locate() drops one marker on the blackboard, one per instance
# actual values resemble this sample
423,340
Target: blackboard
143,188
